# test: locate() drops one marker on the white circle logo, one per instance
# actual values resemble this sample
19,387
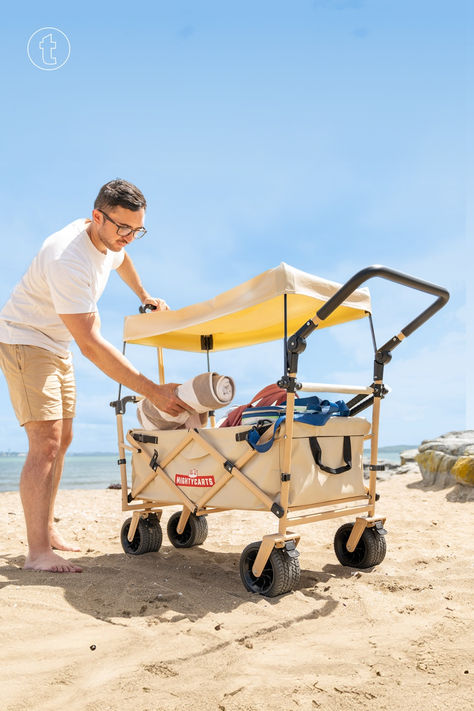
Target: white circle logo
48,49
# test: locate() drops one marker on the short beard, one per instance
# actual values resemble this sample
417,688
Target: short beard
100,235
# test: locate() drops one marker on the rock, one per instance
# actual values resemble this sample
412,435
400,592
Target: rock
448,459
460,494
380,475
463,470
453,443
408,456
409,468
435,467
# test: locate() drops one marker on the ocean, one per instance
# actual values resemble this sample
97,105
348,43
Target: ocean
99,470
81,471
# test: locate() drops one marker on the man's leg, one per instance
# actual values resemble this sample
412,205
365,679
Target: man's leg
36,485
55,538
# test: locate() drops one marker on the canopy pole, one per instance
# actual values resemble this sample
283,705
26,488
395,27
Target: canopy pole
372,332
212,414
120,384
285,337
161,365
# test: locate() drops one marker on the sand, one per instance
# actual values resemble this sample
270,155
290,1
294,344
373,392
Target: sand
176,629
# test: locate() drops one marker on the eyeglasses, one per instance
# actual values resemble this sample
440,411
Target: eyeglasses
125,230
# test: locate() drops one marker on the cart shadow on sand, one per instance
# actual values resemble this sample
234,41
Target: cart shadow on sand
186,585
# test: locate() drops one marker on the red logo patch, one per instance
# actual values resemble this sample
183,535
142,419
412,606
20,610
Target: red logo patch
193,479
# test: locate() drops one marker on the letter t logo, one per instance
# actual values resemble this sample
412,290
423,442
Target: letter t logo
47,45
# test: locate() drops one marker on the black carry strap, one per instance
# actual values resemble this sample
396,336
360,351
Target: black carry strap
346,454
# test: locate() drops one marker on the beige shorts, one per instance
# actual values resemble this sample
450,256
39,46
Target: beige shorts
41,383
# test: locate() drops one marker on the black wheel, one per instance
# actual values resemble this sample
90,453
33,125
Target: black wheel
195,531
369,551
280,574
147,539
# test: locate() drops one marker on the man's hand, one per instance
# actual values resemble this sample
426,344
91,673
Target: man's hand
160,304
128,273
164,398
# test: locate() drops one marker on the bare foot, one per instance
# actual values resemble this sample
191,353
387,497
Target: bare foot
51,563
57,541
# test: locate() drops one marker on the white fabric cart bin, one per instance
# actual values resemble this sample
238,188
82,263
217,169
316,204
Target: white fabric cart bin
195,471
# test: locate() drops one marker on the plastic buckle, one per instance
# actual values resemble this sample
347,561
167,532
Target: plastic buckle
154,461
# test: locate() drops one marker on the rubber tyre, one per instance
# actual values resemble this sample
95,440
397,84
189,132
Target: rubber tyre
280,575
147,539
370,550
195,532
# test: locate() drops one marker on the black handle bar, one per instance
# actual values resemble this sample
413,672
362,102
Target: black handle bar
391,275
296,343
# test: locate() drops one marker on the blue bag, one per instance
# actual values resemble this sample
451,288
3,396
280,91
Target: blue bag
311,410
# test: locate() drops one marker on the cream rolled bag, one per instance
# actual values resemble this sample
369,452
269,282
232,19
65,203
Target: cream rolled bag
196,471
203,393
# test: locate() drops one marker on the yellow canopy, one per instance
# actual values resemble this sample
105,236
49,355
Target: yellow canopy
248,314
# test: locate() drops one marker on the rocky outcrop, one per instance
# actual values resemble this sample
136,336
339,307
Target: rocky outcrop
448,460
408,456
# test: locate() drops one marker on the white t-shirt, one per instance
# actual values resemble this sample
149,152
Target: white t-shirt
67,276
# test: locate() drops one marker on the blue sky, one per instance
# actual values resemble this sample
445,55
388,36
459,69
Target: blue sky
329,134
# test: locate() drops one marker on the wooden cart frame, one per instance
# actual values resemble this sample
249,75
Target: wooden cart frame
271,566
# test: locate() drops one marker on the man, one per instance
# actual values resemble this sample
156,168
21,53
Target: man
55,302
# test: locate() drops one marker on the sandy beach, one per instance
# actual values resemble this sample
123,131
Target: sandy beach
176,629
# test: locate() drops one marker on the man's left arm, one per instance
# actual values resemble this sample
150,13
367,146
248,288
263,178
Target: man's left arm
129,274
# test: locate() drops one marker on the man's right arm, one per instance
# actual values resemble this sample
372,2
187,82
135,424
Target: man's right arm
85,329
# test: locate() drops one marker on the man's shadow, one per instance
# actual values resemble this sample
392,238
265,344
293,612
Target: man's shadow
167,586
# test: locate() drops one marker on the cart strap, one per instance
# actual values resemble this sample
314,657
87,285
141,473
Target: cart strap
146,439
346,454
311,410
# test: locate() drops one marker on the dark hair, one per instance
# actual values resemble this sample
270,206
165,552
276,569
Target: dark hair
120,193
